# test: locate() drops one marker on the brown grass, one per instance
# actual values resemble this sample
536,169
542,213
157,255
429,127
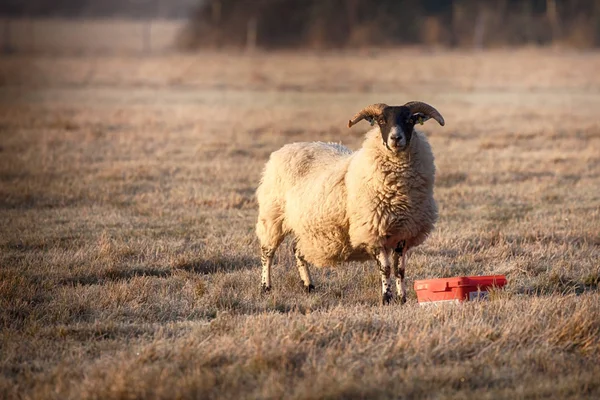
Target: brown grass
129,266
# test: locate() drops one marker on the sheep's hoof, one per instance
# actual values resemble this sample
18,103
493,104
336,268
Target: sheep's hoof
386,298
265,288
310,288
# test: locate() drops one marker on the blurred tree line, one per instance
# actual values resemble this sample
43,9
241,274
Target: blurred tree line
360,23
135,9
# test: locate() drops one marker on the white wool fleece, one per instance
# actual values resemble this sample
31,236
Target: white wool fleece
340,204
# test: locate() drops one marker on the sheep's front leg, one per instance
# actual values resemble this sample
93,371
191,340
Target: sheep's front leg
266,259
400,251
384,261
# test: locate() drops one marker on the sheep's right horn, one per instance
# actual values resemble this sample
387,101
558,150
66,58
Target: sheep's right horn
426,109
370,112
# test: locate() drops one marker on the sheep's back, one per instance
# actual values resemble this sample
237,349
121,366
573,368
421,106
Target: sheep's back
306,180
290,165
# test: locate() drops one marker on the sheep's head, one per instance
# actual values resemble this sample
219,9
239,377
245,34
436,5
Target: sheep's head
396,123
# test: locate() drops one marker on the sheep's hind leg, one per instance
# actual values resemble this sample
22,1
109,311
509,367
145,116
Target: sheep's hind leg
400,251
266,259
303,270
384,262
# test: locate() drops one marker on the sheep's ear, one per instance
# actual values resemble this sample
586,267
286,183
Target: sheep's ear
419,118
368,113
418,108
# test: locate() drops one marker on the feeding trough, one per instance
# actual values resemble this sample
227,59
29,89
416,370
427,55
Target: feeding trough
457,289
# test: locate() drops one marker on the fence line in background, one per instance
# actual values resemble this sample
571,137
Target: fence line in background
62,35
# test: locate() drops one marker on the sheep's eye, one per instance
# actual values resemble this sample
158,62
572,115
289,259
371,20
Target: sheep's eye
382,121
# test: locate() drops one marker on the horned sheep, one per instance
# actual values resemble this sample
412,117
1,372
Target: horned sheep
374,203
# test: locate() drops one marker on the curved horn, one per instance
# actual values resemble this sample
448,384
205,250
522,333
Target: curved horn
429,111
371,111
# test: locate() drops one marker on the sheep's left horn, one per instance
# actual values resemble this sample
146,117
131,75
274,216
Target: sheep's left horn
426,109
372,111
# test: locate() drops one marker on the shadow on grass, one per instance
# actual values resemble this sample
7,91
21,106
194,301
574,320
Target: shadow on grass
115,275
18,201
222,264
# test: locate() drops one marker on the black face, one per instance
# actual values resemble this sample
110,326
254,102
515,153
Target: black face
396,125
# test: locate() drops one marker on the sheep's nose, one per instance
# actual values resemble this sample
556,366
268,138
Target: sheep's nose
397,138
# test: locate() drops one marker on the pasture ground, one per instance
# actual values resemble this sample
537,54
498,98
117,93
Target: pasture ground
129,267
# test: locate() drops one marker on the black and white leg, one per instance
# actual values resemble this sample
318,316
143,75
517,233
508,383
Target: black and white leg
266,259
396,273
400,253
384,263
303,270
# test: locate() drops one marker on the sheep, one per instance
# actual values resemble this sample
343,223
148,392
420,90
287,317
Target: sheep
375,203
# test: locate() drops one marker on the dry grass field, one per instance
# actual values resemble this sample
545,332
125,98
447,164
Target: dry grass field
129,268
